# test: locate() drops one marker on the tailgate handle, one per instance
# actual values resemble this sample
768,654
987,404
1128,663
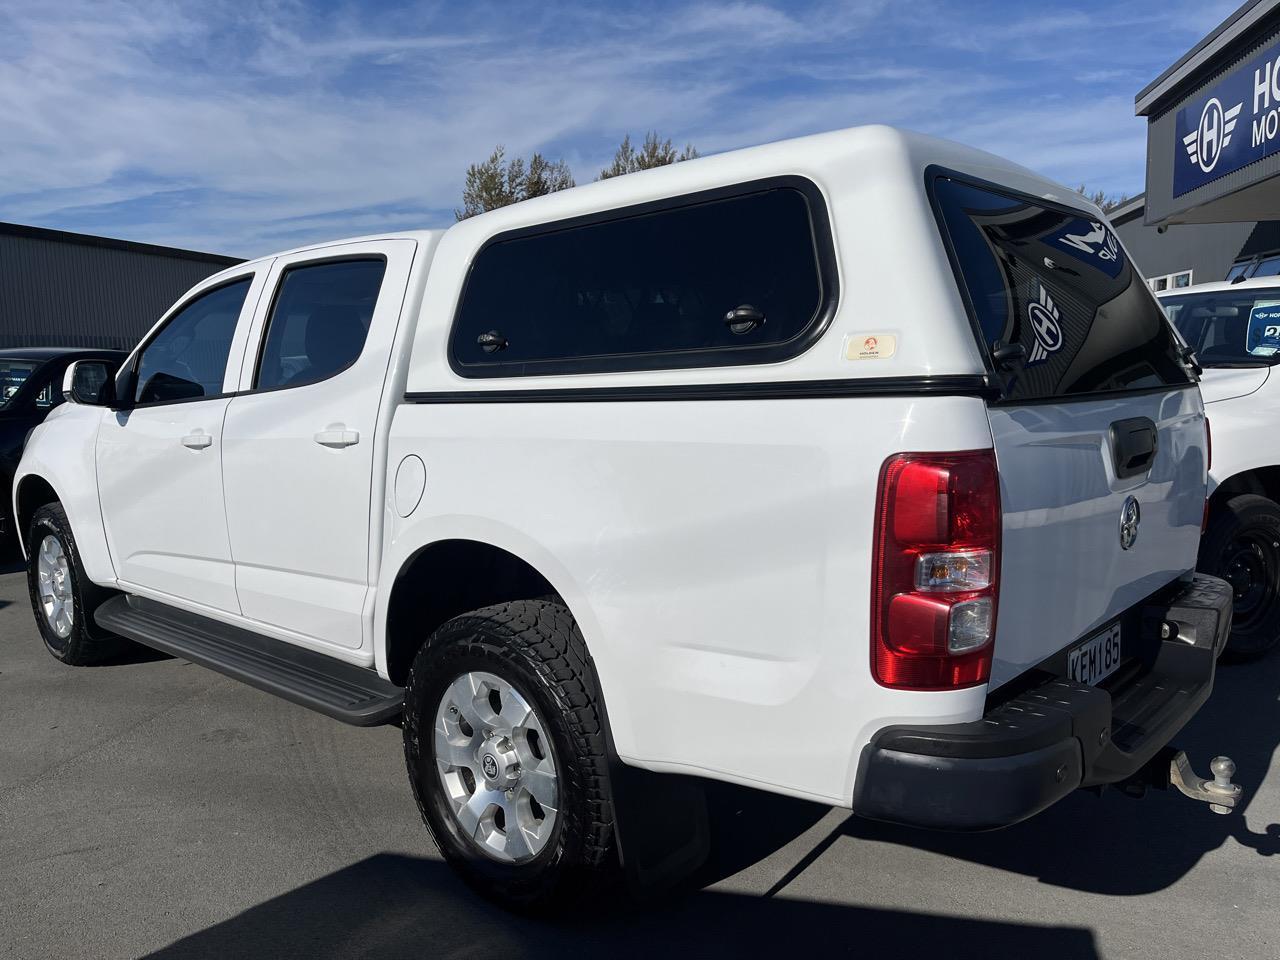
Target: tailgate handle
1133,446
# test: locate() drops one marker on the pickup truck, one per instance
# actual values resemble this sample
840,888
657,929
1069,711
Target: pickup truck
1234,329
861,468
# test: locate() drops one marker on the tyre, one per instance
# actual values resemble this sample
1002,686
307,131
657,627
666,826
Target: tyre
505,745
1242,546
62,597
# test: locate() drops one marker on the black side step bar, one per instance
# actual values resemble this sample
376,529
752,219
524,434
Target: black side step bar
340,690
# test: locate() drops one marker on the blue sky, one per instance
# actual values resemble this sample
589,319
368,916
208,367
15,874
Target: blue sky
242,128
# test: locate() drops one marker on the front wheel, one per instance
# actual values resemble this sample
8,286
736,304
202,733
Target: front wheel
1242,546
505,747
62,596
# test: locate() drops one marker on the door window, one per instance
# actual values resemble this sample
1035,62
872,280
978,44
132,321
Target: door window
187,359
319,321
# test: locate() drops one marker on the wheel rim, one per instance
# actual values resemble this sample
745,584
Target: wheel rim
497,767
57,599
1251,564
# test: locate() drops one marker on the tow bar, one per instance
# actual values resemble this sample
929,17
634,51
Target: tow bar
1172,767
1220,793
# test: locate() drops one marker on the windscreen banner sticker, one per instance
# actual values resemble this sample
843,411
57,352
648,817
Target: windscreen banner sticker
1232,124
1090,241
1264,329
1046,324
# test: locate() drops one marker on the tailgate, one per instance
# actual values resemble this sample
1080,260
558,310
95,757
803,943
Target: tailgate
1098,415
1063,466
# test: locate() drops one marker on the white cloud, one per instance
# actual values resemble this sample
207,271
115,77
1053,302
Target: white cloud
241,128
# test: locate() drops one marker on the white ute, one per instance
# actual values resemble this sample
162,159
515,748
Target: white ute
861,468
1234,329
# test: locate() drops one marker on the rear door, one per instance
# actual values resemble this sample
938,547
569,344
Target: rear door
298,441
1100,435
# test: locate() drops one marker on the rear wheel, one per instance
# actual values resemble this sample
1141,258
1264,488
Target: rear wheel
62,597
1242,546
504,743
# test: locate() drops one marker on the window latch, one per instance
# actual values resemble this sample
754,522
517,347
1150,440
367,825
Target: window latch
1006,355
492,341
743,319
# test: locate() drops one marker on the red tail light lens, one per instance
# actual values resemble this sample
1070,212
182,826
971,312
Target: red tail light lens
936,570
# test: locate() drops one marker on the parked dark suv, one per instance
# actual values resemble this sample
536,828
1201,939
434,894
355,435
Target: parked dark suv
31,386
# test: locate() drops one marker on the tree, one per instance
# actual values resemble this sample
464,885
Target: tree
652,153
1101,199
498,182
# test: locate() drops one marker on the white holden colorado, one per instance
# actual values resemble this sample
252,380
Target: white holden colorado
861,468
1234,329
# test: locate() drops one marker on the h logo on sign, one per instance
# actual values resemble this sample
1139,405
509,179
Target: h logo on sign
1206,143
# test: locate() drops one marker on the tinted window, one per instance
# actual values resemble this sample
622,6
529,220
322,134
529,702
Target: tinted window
13,374
319,321
1059,285
1229,328
188,357
647,290
1267,268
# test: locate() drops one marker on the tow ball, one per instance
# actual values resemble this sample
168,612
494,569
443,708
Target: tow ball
1220,793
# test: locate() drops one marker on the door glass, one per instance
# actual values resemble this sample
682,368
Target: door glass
319,321
13,374
188,357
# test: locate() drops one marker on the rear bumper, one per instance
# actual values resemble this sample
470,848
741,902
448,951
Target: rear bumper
1030,751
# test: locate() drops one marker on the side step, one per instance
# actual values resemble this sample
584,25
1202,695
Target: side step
340,690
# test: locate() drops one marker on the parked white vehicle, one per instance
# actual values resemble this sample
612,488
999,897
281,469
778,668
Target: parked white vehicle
1234,328
860,468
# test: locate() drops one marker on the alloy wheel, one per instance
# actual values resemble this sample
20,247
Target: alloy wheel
497,766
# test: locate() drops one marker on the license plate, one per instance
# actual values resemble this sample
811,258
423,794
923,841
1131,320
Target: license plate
1095,659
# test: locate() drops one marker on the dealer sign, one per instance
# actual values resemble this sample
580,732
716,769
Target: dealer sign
1234,123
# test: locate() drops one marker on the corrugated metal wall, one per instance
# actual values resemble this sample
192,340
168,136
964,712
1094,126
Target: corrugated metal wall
62,290
1206,249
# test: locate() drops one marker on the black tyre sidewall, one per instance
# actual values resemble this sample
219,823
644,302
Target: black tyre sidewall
1229,520
466,646
79,646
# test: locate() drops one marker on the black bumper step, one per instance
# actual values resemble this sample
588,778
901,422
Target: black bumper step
337,689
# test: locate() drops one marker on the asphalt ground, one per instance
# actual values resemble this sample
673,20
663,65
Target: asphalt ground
153,808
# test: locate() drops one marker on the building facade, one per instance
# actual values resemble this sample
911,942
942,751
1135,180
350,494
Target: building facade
1213,127
62,289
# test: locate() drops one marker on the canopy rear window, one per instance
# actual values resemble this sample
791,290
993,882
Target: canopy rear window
1056,283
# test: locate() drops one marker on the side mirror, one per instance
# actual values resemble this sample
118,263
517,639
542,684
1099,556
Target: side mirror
89,382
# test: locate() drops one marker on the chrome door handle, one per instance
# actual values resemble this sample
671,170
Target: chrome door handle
336,437
197,441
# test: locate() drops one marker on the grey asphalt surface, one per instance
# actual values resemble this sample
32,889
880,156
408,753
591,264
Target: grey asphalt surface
153,808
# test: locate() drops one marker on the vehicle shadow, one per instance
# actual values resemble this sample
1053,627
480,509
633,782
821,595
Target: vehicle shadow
1111,844
400,906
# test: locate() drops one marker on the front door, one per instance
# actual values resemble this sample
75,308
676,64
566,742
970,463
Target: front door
299,438
160,461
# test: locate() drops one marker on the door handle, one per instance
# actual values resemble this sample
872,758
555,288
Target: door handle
336,437
197,441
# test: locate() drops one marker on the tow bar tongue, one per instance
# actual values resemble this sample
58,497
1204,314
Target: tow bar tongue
1220,793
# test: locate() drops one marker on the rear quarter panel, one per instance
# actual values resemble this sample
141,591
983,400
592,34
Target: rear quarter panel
716,555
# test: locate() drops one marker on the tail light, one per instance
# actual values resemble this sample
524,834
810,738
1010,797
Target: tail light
936,570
